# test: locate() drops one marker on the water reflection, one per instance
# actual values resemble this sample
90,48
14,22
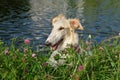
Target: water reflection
32,18
103,16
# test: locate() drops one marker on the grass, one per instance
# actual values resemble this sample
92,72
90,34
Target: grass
94,62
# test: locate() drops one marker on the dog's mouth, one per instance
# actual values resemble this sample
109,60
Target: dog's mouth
55,46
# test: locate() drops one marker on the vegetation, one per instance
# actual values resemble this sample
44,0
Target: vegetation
93,62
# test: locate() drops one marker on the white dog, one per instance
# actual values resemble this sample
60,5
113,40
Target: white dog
62,34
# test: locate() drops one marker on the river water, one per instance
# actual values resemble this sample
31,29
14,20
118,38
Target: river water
32,18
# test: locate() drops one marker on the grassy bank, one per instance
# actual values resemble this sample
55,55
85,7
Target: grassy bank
94,62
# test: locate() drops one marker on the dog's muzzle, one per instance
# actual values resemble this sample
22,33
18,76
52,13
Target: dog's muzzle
47,43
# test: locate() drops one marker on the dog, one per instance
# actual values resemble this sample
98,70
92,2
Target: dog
62,34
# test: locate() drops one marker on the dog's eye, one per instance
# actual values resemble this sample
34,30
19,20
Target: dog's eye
61,28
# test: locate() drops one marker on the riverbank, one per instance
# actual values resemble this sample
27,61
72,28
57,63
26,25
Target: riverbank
94,62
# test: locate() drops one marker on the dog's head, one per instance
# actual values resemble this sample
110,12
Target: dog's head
61,27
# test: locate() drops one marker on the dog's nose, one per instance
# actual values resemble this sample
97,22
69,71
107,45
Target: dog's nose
47,43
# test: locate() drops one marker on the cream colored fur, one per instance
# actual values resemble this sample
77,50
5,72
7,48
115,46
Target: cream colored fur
63,29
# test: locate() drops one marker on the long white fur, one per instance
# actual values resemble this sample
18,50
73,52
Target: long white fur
68,34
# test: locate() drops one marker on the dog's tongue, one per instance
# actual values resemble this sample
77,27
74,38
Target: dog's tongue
54,47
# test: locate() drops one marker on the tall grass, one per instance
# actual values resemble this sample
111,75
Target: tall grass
93,62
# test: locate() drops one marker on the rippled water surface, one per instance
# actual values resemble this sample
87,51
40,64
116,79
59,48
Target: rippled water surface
32,18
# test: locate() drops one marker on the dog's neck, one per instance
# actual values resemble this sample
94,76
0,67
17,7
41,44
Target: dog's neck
71,38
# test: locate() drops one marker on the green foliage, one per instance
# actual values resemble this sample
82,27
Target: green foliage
99,62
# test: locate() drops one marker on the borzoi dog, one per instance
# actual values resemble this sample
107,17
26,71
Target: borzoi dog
62,34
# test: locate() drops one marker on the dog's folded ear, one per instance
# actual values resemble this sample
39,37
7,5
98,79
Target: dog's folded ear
59,17
75,24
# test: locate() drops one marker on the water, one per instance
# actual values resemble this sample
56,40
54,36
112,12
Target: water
32,18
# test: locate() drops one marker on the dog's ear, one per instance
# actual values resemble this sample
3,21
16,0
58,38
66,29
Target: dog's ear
59,17
75,24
